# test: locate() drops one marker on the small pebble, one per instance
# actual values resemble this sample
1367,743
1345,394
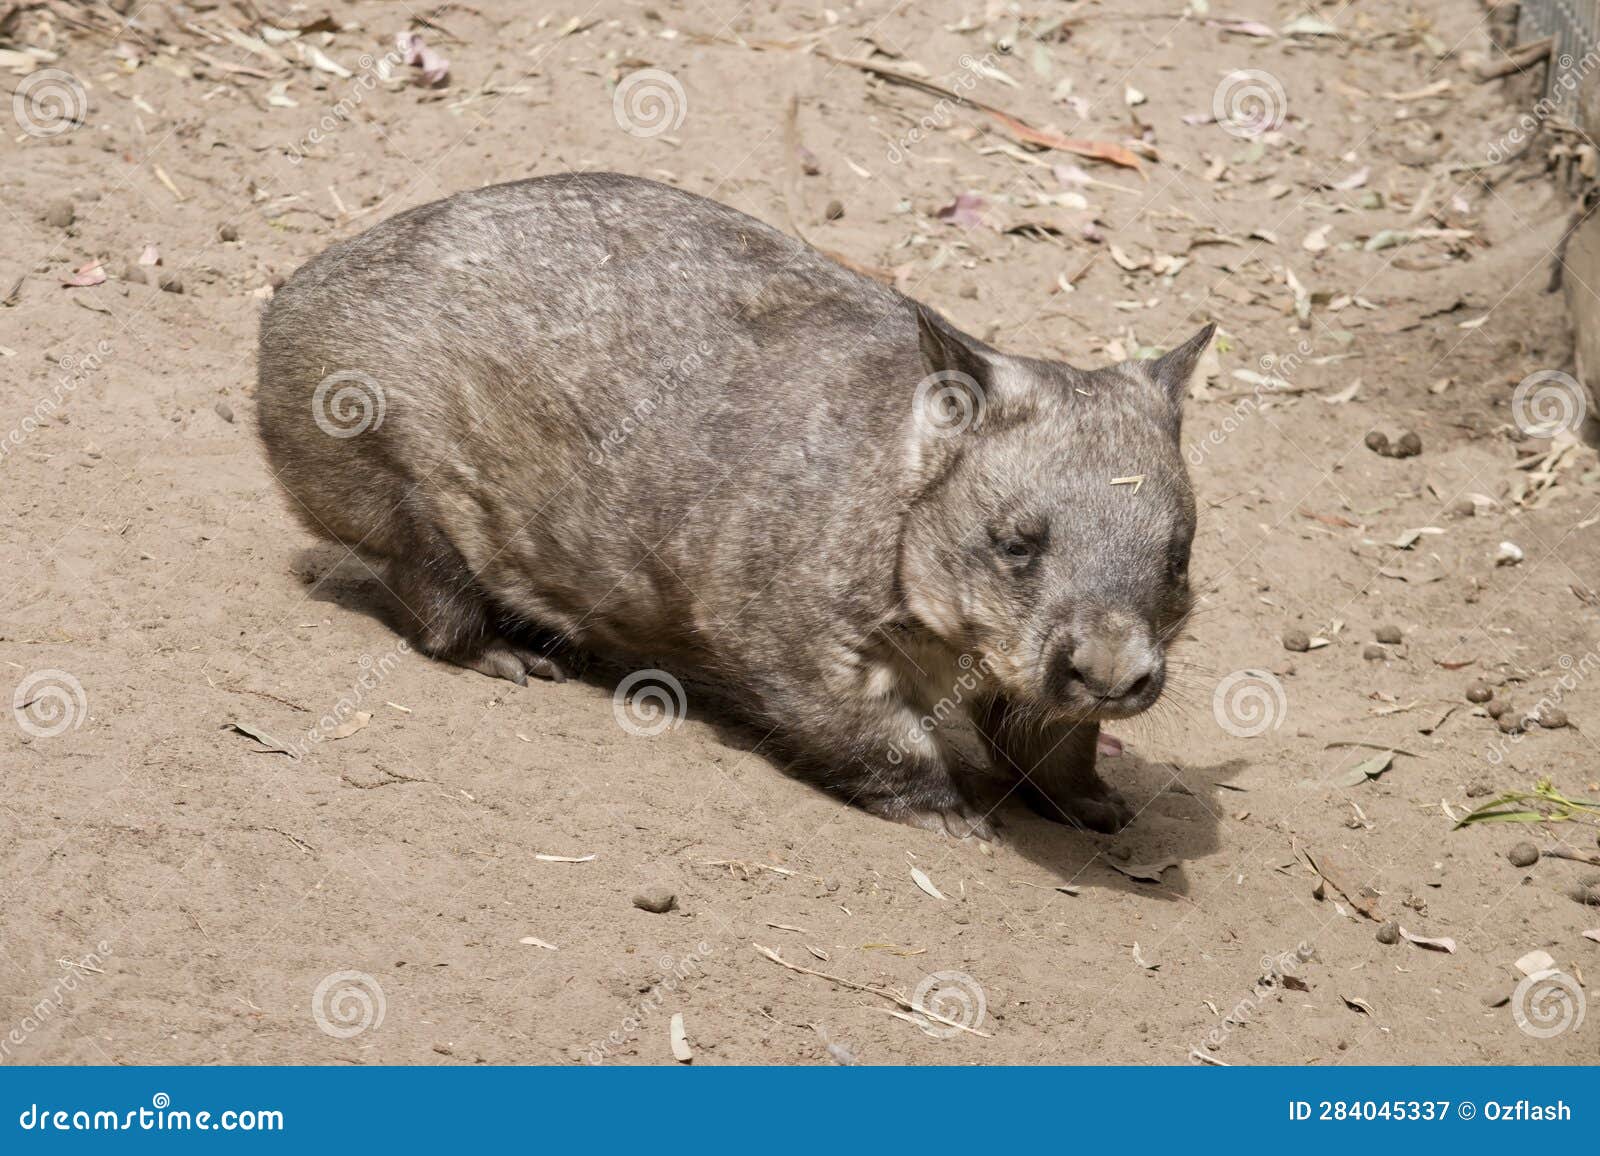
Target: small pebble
1464,508
1587,894
1553,718
1523,855
1389,932
224,410
655,899
135,273
170,283
1372,652
228,233
60,214
834,211
1296,640
1511,723
1390,635
1479,692
1409,445
1496,707
1378,442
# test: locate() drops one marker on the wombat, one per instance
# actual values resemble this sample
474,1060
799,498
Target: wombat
631,418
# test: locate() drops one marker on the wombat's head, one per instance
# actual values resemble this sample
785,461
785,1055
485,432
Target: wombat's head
1051,519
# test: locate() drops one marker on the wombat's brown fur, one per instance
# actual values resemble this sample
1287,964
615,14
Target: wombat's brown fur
647,423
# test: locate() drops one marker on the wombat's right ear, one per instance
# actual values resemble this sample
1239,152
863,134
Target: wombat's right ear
1174,368
958,390
946,350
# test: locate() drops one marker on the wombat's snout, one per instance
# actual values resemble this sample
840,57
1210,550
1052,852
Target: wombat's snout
1108,665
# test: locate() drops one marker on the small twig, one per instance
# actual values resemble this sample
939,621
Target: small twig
1563,853
882,993
1516,60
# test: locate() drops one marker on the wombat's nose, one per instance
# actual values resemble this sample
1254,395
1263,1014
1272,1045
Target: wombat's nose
1112,667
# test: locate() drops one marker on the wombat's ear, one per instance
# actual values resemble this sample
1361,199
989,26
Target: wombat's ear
947,350
1173,369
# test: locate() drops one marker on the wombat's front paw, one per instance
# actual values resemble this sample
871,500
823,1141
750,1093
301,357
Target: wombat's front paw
962,820
1100,809
514,664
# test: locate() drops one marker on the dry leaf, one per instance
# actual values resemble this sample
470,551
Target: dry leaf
534,941
920,878
1143,872
565,858
349,727
272,745
1535,961
1440,944
92,273
1359,1005
680,1041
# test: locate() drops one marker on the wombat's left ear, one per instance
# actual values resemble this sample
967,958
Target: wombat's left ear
1173,369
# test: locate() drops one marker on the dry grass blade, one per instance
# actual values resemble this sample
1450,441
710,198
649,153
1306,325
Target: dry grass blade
881,992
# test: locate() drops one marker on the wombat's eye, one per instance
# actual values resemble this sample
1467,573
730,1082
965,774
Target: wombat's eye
1018,548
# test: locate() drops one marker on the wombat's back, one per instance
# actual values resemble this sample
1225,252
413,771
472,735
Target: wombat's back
554,371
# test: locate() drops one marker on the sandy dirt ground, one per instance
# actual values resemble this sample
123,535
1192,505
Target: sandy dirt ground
443,868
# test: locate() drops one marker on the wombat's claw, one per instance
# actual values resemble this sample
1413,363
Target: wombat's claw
1107,814
514,664
962,822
